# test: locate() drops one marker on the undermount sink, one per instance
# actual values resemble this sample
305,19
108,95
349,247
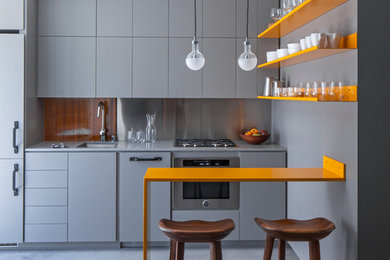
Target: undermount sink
98,145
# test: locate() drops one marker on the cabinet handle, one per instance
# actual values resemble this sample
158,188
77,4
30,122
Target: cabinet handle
16,169
16,126
136,159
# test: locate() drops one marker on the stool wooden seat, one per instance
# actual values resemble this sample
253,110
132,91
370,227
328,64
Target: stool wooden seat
311,230
196,231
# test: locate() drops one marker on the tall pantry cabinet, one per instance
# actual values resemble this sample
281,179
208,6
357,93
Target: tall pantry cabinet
11,120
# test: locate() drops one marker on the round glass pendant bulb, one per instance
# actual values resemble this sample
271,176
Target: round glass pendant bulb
195,59
247,60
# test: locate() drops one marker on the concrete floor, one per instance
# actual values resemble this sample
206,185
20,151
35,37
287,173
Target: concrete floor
229,253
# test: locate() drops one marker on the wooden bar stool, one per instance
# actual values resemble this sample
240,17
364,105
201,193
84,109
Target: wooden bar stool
311,230
196,231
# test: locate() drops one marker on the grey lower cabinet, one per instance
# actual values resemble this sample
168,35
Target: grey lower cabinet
132,170
150,70
66,67
11,204
219,72
261,199
92,197
46,197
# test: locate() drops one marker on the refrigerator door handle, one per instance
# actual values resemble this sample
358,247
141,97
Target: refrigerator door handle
16,127
16,169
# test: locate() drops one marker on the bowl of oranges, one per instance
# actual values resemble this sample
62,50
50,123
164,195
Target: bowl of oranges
254,136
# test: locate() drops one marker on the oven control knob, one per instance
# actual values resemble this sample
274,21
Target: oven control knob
206,203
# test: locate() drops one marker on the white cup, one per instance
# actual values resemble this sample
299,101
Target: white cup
271,55
293,46
303,44
292,50
315,38
282,52
308,42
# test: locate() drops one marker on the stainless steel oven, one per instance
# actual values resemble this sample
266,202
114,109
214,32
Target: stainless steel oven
205,195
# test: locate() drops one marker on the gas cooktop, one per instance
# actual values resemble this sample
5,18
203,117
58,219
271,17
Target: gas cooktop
204,143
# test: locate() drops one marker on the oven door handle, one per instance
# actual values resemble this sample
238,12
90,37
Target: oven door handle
137,159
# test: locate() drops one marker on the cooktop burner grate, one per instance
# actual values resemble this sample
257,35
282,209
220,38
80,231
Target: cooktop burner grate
204,143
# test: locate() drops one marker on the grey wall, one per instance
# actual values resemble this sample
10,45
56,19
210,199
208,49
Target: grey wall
374,129
311,130
194,118
33,108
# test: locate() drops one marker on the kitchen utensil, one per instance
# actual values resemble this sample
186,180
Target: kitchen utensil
302,42
271,55
334,40
150,131
281,52
308,42
254,139
268,87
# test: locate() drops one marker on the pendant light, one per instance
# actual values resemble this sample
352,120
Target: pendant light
247,60
195,59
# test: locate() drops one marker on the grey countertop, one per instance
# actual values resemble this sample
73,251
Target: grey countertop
164,145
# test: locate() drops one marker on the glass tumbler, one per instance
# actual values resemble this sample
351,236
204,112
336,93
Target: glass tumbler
324,92
150,131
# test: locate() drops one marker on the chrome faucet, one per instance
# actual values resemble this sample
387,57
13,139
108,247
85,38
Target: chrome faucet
103,130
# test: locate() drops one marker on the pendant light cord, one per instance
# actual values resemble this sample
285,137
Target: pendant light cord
195,18
247,19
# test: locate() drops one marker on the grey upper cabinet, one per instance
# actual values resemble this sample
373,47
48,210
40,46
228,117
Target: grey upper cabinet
219,18
67,17
11,14
114,18
246,85
183,82
66,67
92,197
219,72
114,67
131,176
241,18
11,97
150,67
181,18
261,199
150,18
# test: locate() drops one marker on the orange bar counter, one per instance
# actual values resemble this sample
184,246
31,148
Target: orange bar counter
332,171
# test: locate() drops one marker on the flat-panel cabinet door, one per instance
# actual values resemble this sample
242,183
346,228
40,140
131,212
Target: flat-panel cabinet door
114,66
66,67
150,18
181,18
92,197
11,97
114,18
183,82
246,83
261,199
219,72
67,17
219,18
11,201
131,176
150,69
11,14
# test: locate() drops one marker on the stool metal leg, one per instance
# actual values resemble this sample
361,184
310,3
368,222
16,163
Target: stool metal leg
282,249
216,250
172,253
179,251
269,244
314,249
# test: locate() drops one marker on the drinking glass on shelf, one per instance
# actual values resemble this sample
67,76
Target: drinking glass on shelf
324,91
316,89
287,7
308,89
295,3
332,91
276,14
341,91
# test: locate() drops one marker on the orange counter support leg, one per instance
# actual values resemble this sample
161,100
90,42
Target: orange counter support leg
145,242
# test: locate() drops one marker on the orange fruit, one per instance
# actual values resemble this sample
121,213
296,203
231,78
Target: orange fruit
254,131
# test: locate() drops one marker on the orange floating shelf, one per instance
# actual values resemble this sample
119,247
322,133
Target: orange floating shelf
301,15
349,93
